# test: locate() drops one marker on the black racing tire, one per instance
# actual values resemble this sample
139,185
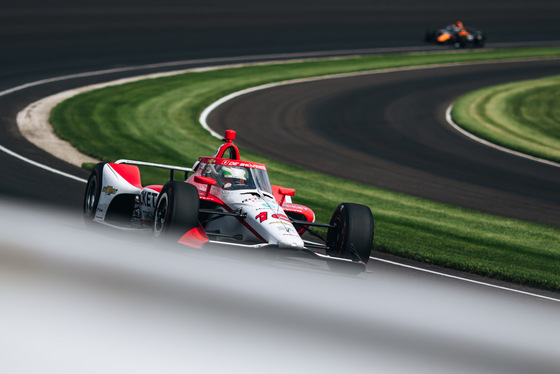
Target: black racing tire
177,210
352,234
93,192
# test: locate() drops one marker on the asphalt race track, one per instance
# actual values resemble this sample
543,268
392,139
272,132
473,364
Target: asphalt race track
42,40
389,130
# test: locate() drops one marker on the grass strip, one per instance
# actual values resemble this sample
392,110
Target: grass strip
523,116
157,120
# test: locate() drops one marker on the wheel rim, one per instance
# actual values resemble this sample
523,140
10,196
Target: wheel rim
335,238
161,214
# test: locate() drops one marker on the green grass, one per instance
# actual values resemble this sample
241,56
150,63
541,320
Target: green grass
524,116
157,120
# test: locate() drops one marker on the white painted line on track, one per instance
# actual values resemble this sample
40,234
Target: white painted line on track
39,165
203,119
475,138
465,279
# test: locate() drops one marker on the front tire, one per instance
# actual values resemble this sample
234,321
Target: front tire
176,210
352,234
93,192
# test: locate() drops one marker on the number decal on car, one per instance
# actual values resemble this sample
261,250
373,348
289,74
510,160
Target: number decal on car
263,216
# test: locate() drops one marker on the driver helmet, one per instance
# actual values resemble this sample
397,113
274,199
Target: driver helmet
459,24
231,174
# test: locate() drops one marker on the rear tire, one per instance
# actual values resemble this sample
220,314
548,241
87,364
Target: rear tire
176,210
352,235
93,192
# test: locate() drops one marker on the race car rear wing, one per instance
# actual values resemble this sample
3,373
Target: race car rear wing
171,168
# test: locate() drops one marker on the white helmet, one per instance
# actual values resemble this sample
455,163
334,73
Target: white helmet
233,173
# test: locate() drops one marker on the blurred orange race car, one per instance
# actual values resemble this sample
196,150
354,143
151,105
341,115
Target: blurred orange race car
456,35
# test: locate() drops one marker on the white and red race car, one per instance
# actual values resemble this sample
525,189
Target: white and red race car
224,200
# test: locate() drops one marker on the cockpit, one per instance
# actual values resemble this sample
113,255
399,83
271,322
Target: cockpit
235,175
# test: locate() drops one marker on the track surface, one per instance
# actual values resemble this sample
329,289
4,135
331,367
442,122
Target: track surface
389,130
